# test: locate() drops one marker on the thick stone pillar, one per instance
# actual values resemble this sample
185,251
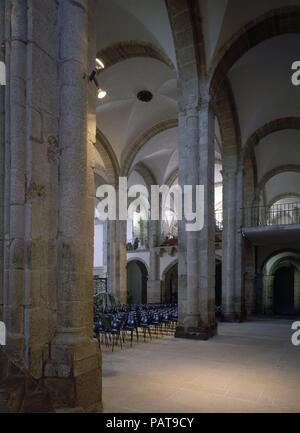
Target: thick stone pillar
188,295
121,261
208,322
15,167
117,259
104,246
153,283
249,278
73,373
182,251
2,154
31,181
232,242
111,256
240,297
197,249
229,241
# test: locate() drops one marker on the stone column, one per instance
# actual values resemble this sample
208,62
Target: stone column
31,179
249,278
208,322
232,242
229,240
182,255
196,166
2,153
15,167
105,240
73,374
268,291
121,261
153,283
240,299
111,256
189,317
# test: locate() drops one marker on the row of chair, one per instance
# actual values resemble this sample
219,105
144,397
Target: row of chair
112,327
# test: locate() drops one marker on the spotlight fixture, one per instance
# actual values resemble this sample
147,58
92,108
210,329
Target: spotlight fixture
145,96
99,66
101,93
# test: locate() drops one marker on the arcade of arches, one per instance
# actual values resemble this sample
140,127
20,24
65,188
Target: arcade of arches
197,92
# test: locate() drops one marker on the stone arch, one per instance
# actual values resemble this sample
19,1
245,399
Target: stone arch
277,22
283,196
137,290
135,147
112,169
226,113
272,173
138,259
267,257
131,49
267,129
169,267
272,264
168,296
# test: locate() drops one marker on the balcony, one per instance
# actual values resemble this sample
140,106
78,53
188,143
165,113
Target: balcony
278,224
280,214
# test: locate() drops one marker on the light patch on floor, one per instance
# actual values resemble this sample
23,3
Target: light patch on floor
248,367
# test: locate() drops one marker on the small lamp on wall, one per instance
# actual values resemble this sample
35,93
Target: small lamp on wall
98,67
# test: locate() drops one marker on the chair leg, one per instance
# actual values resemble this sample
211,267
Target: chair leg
113,342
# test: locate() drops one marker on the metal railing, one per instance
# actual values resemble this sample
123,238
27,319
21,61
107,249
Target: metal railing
279,214
100,285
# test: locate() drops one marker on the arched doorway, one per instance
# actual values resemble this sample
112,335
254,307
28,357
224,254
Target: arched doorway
281,284
137,276
284,290
171,285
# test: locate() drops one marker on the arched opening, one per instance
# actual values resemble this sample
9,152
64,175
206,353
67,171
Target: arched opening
137,276
171,286
284,290
281,284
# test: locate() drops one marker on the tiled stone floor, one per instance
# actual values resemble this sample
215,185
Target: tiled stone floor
249,367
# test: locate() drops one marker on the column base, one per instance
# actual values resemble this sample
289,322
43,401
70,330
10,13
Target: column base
73,374
197,333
